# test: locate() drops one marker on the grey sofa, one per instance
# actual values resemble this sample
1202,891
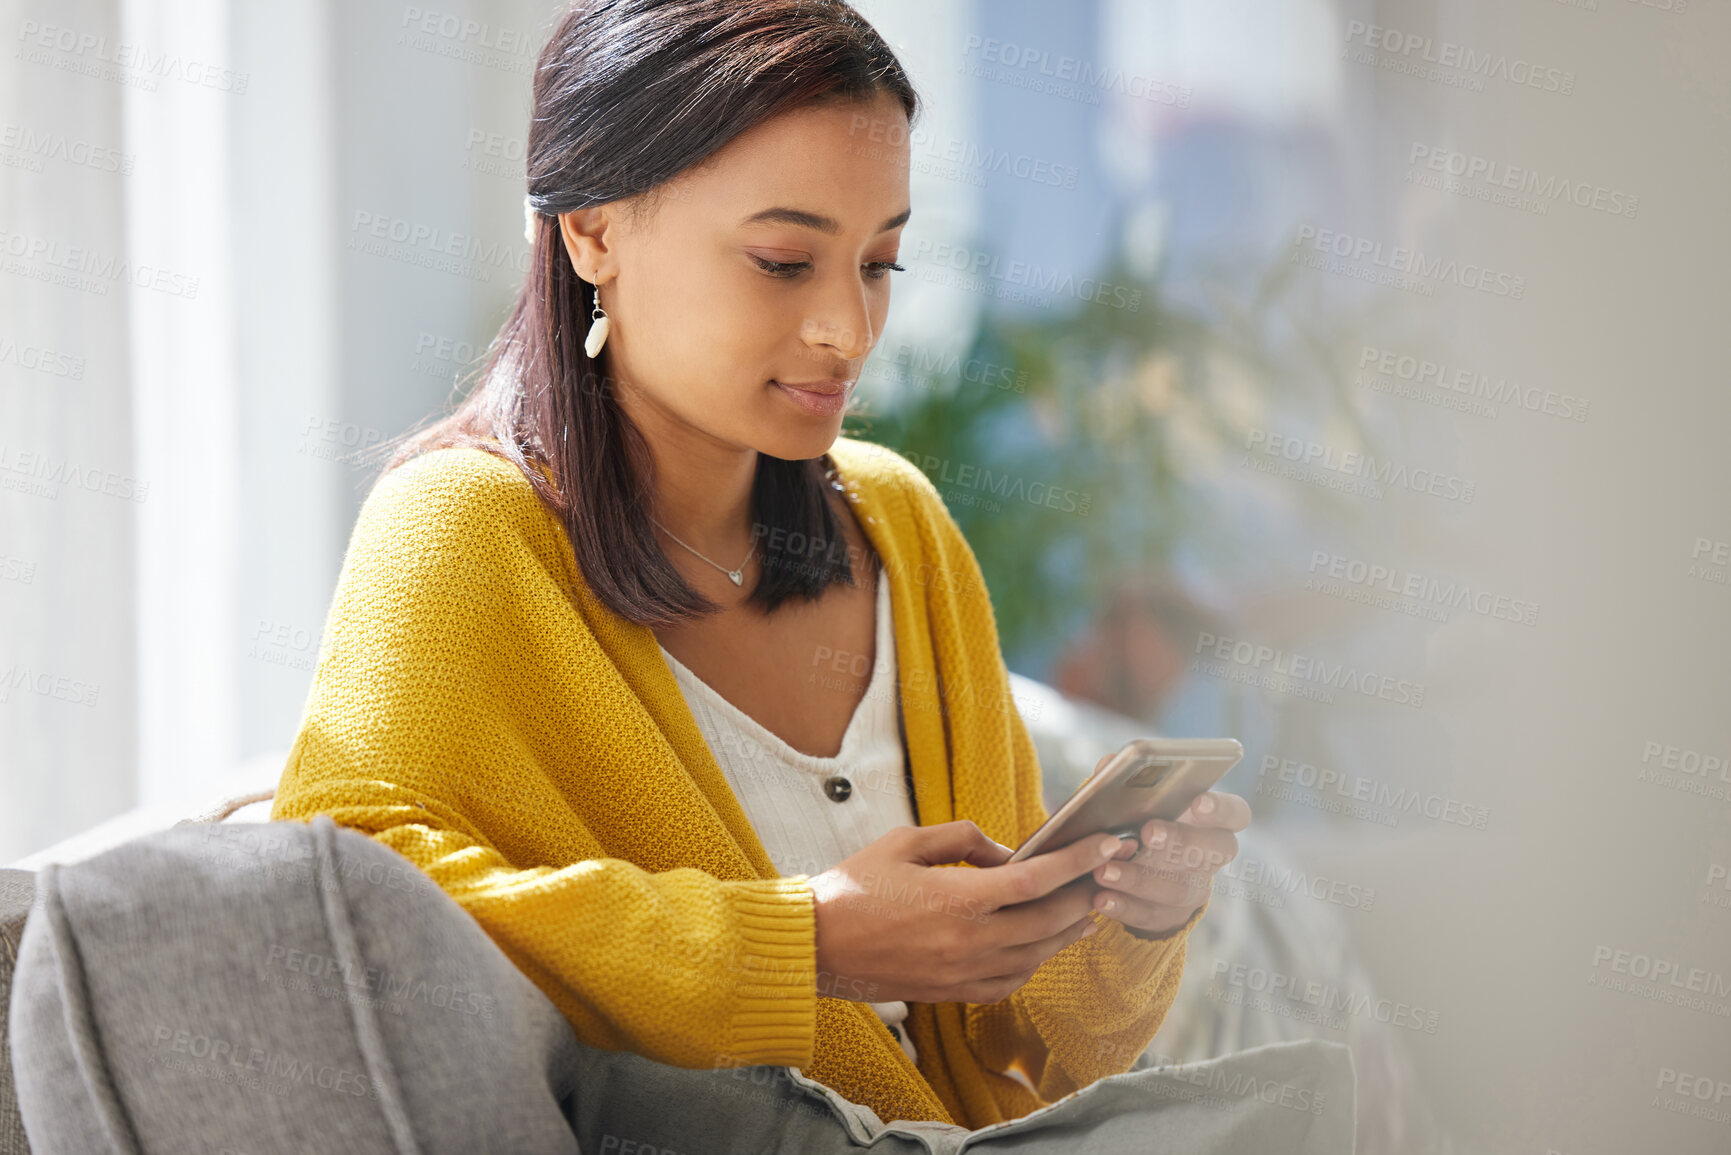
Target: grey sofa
1070,737
18,898
17,891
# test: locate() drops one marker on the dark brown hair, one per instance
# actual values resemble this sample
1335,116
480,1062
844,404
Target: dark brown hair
628,94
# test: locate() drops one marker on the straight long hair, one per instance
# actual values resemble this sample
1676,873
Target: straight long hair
627,95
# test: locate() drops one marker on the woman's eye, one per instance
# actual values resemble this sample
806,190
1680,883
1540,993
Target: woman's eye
876,270
781,268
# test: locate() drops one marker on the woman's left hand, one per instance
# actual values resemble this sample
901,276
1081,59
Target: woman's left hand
1154,888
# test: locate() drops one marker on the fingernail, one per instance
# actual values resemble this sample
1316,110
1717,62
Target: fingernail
1110,905
1157,838
1112,873
1093,928
1205,804
1109,846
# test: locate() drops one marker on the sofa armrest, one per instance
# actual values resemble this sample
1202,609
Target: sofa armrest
251,801
17,895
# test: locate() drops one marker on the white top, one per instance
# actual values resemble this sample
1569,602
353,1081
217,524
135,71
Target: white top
782,790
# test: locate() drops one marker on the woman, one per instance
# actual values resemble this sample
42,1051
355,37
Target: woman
688,700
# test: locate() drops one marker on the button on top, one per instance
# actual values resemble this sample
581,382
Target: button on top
837,787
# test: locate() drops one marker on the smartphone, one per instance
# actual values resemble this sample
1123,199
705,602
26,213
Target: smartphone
1146,778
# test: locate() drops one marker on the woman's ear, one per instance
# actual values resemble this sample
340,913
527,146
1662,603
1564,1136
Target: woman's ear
586,233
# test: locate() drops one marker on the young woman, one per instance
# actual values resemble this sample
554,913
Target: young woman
692,703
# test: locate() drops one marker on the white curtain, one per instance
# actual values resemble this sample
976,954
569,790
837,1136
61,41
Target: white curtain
166,321
222,163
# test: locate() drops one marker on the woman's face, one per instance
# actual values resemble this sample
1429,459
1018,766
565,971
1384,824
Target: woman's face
759,270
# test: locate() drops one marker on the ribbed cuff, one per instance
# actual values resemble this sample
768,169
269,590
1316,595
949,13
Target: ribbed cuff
775,1015
1142,957
1167,936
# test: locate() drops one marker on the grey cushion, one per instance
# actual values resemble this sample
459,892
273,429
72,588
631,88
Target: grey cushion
17,889
279,986
18,892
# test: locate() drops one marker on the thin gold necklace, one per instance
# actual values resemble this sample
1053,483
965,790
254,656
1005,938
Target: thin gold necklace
736,576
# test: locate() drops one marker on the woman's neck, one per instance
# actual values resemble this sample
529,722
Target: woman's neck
702,487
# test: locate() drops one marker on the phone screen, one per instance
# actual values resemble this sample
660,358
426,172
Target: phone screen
1147,778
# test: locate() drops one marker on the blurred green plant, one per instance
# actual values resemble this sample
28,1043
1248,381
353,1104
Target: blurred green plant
1078,448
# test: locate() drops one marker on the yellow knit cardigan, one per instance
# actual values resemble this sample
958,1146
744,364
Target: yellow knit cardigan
479,710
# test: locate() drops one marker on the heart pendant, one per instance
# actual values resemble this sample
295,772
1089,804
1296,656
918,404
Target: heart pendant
737,576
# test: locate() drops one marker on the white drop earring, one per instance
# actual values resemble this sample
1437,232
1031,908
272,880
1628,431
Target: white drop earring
599,323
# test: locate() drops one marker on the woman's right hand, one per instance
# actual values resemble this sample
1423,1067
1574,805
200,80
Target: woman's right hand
895,922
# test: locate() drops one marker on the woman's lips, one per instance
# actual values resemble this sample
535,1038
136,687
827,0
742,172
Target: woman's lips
820,399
